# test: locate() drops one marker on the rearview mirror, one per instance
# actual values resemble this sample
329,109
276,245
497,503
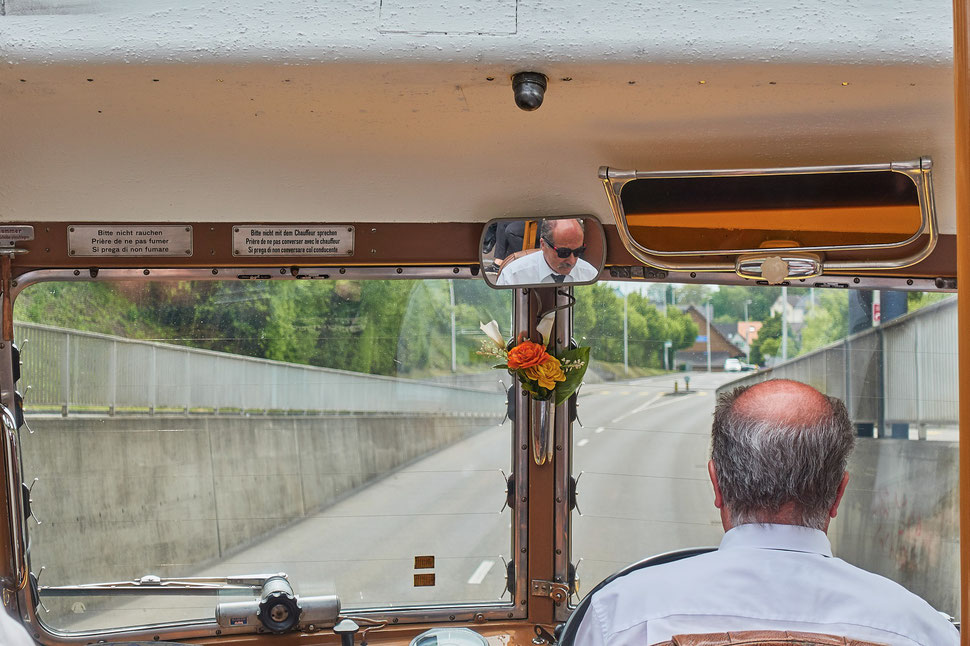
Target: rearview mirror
541,252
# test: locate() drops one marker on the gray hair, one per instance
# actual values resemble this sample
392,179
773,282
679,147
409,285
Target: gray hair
763,465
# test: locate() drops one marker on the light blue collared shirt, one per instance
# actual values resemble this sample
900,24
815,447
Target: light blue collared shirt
762,577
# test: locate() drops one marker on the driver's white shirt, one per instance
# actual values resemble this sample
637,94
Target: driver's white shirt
762,577
532,269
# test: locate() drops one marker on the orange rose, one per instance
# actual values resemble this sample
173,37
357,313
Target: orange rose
526,354
547,373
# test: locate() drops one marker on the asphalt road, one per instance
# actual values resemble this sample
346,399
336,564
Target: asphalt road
644,490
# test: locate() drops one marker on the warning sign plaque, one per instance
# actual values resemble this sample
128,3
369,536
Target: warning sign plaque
276,240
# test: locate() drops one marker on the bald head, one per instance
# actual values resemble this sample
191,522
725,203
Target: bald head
783,402
779,451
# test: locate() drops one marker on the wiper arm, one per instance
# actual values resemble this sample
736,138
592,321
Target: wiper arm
152,584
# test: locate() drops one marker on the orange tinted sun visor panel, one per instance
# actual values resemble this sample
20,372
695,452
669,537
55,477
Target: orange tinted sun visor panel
719,219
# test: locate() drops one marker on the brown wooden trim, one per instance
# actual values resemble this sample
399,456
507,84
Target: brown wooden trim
393,244
961,87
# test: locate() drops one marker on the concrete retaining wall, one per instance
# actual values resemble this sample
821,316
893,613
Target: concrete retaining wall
900,516
120,497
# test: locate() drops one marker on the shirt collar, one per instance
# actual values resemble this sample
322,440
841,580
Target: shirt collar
793,538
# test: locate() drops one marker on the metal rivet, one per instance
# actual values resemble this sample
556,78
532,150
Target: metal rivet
909,282
77,272
373,250
525,446
455,270
523,499
693,274
235,229
146,272
282,271
558,551
394,621
523,550
343,271
558,499
855,280
452,617
399,270
373,230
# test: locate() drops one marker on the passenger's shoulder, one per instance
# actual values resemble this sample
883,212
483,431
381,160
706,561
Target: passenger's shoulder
898,601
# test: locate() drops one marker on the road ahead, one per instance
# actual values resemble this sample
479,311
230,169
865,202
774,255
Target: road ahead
644,490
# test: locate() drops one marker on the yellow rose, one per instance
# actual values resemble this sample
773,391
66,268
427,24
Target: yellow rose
546,373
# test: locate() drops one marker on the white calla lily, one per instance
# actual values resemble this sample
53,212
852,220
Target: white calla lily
491,331
545,327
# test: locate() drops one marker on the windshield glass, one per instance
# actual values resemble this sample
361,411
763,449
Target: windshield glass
337,431
664,352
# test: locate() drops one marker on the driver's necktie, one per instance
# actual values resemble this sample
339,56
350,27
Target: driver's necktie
559,277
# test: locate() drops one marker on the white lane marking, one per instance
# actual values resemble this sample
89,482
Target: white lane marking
582,442
637,409
650,404
600,429
482,571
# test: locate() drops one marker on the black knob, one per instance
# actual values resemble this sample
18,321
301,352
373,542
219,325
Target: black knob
347,628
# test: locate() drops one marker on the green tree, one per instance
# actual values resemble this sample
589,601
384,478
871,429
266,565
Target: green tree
827,322
768,342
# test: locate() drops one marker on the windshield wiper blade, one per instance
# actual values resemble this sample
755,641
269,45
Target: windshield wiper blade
152,584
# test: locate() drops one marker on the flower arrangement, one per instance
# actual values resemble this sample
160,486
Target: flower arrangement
545,376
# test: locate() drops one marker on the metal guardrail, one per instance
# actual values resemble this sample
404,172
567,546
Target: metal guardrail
69,369
904,371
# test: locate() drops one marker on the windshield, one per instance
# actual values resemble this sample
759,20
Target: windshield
342,432
664,352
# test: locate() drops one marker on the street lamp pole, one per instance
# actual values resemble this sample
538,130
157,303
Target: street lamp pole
626,366
708,336
454,355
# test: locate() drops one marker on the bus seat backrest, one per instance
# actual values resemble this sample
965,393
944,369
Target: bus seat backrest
515,256
764,638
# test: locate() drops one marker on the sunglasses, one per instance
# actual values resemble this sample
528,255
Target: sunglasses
564,252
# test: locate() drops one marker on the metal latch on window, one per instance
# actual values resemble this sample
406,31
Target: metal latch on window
559,592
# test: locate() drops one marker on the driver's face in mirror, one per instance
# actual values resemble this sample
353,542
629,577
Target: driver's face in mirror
562,242
557,259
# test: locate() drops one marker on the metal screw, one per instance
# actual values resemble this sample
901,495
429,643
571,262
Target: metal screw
146,272
558,551
77,272
855,280
525,446
215,272
523,498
